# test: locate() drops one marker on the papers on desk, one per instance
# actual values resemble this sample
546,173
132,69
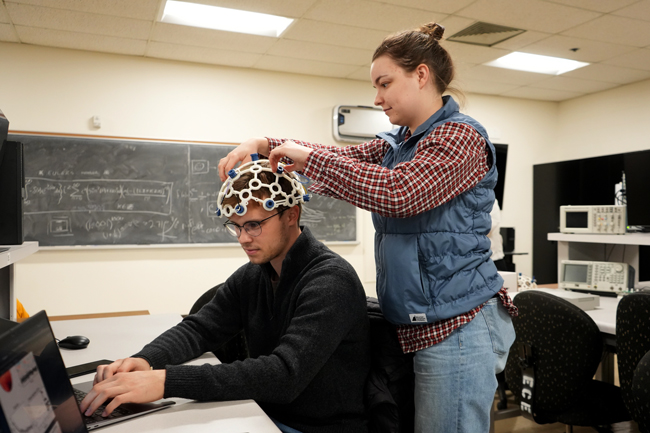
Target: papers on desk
584,301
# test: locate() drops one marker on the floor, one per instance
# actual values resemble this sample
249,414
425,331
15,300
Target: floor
520,424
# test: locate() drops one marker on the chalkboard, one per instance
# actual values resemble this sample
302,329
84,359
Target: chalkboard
100,191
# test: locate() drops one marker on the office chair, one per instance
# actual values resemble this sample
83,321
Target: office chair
633,352
391,382
235,349
563,346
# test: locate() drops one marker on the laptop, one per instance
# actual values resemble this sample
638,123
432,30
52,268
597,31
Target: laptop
6,325
35,392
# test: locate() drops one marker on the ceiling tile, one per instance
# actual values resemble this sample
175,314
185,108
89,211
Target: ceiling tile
468,53
588,50
334,34
320,52
140,9
444,6
370,14
609,73
640,11
7,33
80,22
613,29
522,40
528,14
185,35
299,66
541,94
574,84
285,8
604,6
361,74
80,41
485,87
638,59
201,55
501,75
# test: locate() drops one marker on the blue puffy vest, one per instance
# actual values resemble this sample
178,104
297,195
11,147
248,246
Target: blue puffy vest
436,265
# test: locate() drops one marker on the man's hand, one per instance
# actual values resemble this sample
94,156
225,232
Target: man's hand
242,153
290,149
131,387
120,366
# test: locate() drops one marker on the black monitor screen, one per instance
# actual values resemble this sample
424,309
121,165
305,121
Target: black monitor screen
4,130
502,158
637,179
577,220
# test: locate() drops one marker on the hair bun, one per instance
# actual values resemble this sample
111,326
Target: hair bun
433,29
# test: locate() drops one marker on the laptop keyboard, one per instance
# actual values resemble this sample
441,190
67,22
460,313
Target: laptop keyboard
97,415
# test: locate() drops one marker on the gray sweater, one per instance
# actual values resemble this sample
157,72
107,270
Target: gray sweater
308,342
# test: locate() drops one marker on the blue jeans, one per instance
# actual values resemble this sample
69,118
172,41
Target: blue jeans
455,380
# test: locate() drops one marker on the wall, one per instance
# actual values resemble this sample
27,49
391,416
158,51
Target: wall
55,90
609,122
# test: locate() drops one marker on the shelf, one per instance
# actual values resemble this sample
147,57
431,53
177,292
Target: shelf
626,239
15,253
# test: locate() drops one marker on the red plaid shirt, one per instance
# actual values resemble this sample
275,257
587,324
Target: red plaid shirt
452,159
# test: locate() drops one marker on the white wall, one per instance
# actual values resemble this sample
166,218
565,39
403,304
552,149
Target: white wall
55,90
609,122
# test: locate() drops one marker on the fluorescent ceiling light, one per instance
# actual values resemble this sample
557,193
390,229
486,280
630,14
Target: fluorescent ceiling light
536,63
230,20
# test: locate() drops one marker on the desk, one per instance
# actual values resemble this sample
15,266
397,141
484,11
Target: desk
120,337
10,254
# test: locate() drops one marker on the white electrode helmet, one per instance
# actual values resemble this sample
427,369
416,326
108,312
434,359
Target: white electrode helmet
275,195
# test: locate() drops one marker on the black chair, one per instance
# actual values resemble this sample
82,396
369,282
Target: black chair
633,351
563,346
235,349
391,382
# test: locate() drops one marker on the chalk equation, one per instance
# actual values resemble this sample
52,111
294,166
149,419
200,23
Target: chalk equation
97,195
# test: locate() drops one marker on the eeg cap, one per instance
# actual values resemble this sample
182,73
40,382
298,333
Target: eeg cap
276,196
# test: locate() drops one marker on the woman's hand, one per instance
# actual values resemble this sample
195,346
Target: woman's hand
242,153
292,150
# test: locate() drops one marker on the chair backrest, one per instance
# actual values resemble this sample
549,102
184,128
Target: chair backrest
204,299
641,393
390,386
566,350
632,344
235,349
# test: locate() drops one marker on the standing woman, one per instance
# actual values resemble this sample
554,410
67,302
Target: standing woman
429,185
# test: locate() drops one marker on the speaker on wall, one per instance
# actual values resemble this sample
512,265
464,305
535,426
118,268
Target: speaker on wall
12,182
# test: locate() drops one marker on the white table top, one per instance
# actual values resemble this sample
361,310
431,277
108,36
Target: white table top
120,337
604,315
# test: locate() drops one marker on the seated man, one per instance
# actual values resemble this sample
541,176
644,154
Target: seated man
302,309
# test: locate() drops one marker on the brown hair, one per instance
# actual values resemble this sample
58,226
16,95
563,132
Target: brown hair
266,178
411,48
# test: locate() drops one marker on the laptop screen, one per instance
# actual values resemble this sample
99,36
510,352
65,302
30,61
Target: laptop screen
35,391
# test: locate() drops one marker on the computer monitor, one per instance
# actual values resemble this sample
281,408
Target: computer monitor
12,183
502,158
11,229
637,189
4,131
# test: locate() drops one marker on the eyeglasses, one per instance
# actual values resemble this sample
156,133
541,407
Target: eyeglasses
253,228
